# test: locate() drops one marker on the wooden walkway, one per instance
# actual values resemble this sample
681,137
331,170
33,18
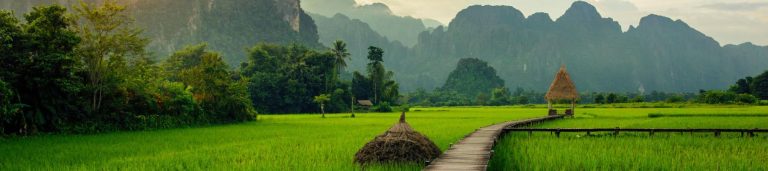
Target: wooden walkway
650,131
474,151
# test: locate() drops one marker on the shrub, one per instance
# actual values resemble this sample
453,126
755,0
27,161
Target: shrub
675,99
746,99
382,107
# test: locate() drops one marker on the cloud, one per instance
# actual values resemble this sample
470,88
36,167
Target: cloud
743,6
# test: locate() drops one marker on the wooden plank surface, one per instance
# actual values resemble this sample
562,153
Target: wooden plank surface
474,151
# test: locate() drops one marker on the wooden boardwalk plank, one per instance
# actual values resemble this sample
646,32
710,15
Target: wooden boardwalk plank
474,151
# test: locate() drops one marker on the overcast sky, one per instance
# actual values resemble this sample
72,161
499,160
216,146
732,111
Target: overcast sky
728,21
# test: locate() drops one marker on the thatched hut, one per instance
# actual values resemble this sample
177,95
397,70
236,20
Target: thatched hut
562,88
398,144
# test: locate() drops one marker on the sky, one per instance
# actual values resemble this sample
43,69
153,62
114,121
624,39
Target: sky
727,21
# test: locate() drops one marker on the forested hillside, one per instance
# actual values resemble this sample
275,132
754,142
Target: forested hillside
230,27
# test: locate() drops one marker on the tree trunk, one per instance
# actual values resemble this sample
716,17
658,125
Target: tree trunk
322,109
352,106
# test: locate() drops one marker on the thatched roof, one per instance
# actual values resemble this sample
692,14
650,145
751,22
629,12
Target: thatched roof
400,143
365,102
562,87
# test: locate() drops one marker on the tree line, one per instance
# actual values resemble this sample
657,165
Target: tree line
89,71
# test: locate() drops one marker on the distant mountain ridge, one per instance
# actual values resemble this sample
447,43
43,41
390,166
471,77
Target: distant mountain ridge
378,16
659,54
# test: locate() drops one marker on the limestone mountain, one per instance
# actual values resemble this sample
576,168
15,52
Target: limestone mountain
358,36
659,54
229,27
378,16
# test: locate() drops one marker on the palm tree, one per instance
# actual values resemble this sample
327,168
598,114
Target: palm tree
341,54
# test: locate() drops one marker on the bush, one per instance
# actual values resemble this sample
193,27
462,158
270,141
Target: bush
675,99
746,99
382,107
716,97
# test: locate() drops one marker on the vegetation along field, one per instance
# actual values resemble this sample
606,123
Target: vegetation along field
639,151
274,84
275,142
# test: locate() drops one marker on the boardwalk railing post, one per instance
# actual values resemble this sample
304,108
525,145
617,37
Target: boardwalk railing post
650,133
616,131
558,133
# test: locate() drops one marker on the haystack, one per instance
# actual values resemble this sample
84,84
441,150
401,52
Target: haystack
398,144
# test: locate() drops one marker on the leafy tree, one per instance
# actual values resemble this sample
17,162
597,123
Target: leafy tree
522,100
599,99
742,86
376,72
611,98
717,97
284,79
108,44
482,99
675,99
39,66
221,96
745,99
759,86
500,96
321,100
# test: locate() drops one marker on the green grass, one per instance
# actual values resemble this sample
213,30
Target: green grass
638,151
275,142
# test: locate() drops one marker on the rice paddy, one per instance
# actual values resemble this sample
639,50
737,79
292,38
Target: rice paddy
275,142
639,151
308,142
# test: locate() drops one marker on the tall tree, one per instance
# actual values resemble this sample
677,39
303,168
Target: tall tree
341,54
39,65
221,96
108,44
376,71
759,86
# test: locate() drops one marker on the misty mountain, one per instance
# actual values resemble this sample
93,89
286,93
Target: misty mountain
377,15
659,54
358,36
228,26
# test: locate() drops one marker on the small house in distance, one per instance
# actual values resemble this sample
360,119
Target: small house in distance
562,88
367,104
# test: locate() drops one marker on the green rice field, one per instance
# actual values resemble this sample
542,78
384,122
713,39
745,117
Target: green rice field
639,151
308,142
275,142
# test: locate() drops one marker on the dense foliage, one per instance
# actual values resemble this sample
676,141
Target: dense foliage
471,77
379,85
91,73
284,79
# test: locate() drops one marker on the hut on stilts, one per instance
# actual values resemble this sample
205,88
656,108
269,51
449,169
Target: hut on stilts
562,88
